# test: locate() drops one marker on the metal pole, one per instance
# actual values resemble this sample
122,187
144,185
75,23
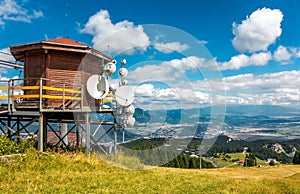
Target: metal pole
41,93
87,136
41,131
77,132
63,102
115,138
13,98
123,135
200,162
63,132
81,97
8,99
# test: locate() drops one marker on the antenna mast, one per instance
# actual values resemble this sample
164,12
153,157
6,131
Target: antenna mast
66,21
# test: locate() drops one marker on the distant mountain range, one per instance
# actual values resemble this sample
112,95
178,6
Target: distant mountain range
240,121
267,110
176,116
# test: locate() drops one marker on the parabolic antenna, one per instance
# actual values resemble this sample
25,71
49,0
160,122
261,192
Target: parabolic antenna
97,86
129,110
123,72
124,95
110,68
127,122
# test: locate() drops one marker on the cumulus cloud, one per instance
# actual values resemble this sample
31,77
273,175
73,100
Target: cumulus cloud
11,10
170,47
281,88
144,90
170,70
258,31
123,36
242,60
5,55
268,81
147,95
282,54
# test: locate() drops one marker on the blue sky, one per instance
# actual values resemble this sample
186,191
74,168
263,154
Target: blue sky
254,46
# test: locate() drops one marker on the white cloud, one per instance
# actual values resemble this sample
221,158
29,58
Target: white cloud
170,47
269,81
146,95
170,70
242,60
282,54
280,88
144,90
258,31
123,36
11,10
5,55
295,52
204,42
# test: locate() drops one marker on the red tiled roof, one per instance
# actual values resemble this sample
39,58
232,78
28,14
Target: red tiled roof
65,41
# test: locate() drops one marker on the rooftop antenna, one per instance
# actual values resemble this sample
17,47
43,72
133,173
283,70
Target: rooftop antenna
66,16
108,52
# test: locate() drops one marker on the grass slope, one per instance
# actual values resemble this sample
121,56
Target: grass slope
73,173
224,162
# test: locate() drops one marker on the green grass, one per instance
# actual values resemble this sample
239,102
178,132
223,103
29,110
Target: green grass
37,172
224,162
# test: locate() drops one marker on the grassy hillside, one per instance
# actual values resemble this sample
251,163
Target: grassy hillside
37,172
227,160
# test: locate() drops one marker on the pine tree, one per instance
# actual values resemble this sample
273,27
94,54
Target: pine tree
296,159
250,160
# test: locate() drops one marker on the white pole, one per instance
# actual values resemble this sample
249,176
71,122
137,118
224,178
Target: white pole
63,132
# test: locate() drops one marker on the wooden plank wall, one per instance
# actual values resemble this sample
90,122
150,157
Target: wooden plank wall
69,68
35,70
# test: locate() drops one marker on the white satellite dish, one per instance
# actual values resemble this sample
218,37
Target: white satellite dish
123,62
124,95
110,68
97,86
123,72
129,110
127,122
119,110
130,122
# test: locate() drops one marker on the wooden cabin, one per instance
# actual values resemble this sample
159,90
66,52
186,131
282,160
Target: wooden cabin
61,63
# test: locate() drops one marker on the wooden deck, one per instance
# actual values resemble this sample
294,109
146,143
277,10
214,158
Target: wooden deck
22,106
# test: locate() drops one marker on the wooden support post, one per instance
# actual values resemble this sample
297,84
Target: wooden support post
41,133
87,136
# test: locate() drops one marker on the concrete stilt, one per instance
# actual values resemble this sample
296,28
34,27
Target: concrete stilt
41,133
87,135
63,132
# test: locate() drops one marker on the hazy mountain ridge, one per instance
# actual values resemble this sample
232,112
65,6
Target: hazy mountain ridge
240,121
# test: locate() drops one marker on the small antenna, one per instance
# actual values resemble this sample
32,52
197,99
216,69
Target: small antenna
108,49
66,16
